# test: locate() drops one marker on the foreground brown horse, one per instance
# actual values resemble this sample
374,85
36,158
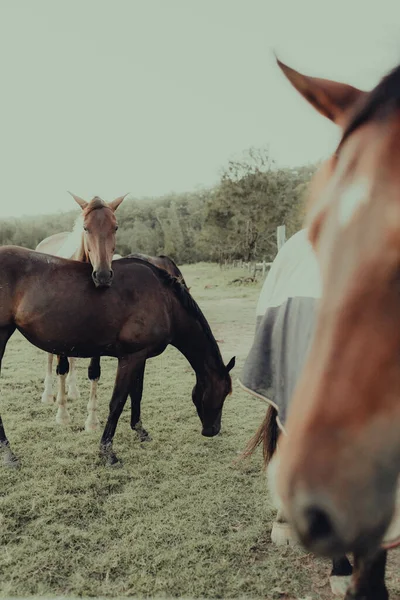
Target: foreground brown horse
136,318
92,240
340,461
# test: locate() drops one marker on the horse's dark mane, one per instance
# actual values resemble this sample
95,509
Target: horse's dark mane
381,101
185,298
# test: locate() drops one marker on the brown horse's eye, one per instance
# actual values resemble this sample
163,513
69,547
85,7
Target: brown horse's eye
85,229
116,228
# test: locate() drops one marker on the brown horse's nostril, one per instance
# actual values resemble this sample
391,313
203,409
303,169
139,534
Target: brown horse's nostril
102,278
319,525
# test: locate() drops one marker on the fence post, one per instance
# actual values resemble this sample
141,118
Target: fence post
280,236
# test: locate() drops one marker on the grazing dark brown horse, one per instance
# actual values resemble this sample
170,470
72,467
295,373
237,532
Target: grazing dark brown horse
92,240
340,460
136,318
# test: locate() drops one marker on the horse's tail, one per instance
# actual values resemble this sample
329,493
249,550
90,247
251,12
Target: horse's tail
267,435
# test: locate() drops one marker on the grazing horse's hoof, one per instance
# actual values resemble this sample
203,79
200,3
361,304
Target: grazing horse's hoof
109,457
142,434
339,584
9,458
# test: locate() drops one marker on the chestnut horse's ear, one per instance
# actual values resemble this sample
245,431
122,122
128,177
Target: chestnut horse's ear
231,364
82,203
332,99
115,203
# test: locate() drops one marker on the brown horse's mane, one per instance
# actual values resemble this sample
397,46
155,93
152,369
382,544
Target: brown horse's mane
186,300
382,101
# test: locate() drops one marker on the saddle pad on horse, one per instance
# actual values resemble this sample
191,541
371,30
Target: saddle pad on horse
285,319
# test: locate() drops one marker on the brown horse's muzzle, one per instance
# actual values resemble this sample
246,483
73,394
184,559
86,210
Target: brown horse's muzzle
103,278
339,501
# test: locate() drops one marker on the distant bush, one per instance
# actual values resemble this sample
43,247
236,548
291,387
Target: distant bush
236,219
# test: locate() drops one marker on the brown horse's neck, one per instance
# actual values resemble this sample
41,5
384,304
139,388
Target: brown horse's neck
199,347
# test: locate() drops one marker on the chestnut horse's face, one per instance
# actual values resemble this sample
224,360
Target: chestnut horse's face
100,227
340,460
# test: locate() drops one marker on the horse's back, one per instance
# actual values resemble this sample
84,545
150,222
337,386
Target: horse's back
294,272
53,243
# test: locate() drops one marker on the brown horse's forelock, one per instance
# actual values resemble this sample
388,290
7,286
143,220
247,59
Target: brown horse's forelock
94,204
380,103
187,301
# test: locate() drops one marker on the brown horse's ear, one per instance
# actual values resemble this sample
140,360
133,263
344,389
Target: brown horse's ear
231,364
332,99
115,203
82,203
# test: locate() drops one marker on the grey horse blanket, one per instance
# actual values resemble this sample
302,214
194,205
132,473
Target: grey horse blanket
285,319
284,325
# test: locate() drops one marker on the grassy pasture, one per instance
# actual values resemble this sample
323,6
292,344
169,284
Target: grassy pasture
180,518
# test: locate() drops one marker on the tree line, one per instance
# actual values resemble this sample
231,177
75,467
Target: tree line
236,219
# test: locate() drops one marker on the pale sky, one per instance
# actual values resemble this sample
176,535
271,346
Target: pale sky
104,97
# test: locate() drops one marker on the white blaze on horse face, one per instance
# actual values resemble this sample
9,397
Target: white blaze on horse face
354,196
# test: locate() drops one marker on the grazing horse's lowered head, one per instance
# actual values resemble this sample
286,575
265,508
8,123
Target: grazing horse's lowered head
98,244
340,461
212,396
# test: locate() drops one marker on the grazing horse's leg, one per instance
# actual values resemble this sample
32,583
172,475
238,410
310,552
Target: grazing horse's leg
47,396
128,369
92,422
62,417
9,458
340,577
73,392
368,582
135,393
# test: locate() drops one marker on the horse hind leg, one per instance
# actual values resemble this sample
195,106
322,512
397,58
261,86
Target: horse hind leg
128,369
48,396
73,391
92,422
136,392
62,417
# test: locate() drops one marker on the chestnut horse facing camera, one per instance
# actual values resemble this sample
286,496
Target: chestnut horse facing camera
92,240
338,465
